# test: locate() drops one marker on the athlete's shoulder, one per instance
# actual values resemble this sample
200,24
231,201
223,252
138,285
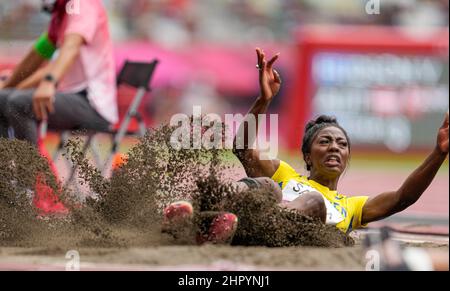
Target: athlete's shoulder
285,172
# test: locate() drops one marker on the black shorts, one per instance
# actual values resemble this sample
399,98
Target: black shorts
251,183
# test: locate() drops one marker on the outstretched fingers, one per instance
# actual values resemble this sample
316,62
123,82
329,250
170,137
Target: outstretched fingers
272,61
260,55
262,62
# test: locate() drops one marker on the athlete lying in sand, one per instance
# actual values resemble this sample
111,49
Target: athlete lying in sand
326,151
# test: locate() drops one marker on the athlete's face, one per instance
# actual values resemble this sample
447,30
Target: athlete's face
329,152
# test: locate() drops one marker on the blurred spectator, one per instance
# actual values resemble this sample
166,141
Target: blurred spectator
177,22
423,13
67,78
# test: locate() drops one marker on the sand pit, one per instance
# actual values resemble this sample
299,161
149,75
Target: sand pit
195,258
188,258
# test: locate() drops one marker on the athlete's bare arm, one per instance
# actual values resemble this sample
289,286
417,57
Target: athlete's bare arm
270,83
389,203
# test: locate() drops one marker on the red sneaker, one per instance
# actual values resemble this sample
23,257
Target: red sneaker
222,229
176,215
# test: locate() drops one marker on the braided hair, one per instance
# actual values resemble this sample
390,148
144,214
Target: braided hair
313,127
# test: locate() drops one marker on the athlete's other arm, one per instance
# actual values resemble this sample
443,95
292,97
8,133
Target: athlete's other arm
270,83
389,203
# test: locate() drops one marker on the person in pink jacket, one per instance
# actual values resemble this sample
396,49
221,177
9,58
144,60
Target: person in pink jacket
68,77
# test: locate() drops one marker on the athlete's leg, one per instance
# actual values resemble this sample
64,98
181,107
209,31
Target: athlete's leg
269,185
214,227
310,204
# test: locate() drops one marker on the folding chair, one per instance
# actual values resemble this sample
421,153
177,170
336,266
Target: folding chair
138,76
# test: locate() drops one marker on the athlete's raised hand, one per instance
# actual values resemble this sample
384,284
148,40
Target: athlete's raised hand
269,78
442,138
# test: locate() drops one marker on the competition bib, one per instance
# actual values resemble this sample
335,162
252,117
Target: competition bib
294,189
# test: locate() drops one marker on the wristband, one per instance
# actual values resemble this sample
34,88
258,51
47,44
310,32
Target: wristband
44,46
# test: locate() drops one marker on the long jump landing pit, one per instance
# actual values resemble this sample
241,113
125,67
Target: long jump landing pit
206,258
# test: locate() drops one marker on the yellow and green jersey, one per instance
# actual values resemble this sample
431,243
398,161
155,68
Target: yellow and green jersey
342,211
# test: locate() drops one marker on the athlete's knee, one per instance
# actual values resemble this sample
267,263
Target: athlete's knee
262,183
272,187
313,205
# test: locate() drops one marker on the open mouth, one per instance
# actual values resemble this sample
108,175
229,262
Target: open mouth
333,160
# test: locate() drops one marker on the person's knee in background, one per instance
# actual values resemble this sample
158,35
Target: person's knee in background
4,124
19,113
20,104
